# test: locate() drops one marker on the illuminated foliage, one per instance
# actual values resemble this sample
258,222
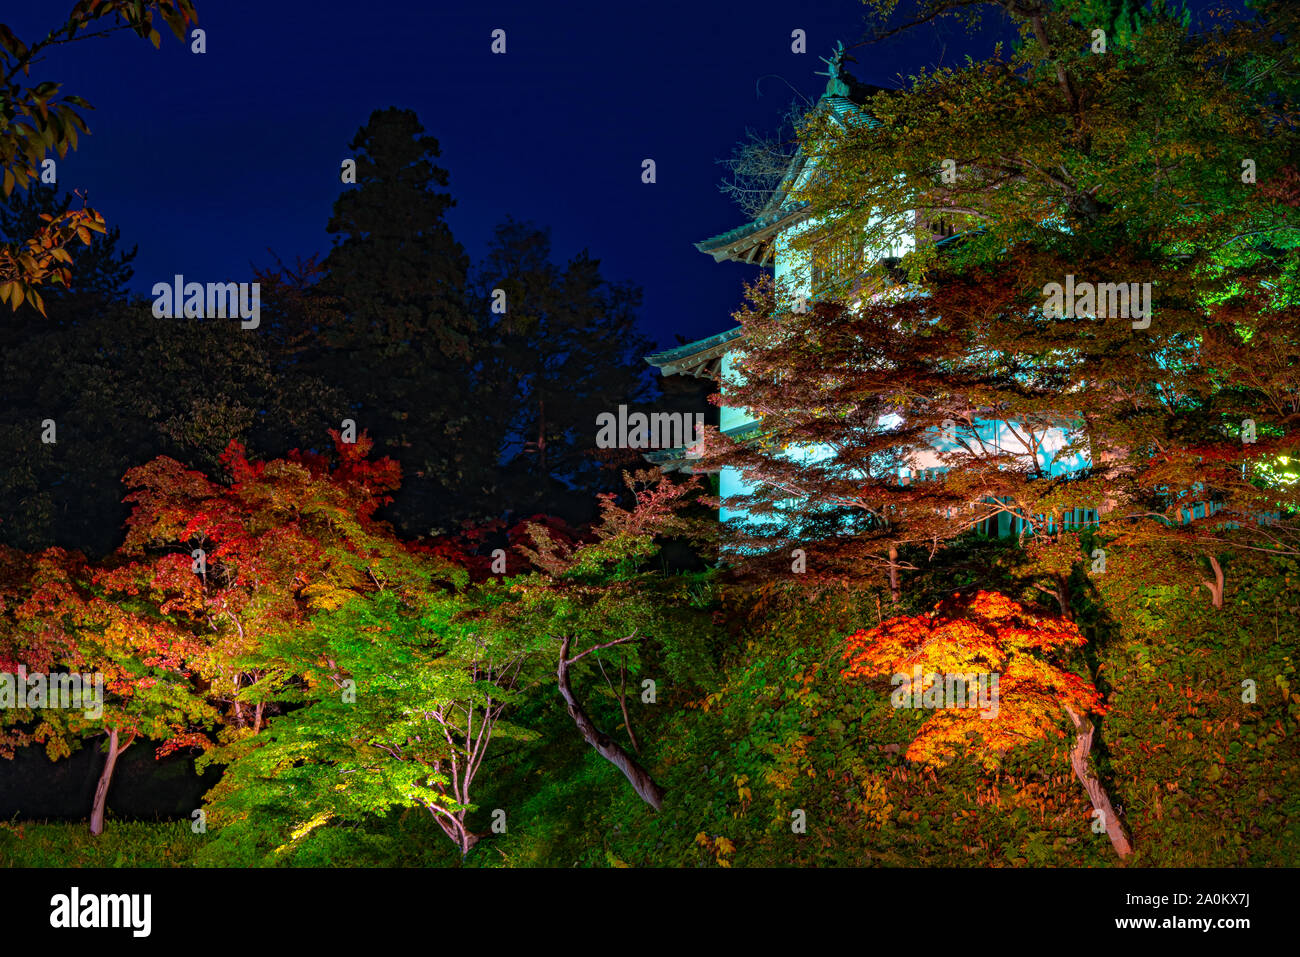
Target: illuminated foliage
597,595
398,702
280,540
35,120
1127,167
126,625
992,635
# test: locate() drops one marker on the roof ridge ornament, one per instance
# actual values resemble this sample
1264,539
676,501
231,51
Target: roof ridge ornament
836,85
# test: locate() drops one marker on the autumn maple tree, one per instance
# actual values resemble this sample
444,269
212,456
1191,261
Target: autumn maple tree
1226,485
990,635
124,624
266,547
175,620
592,596
334,650
943,350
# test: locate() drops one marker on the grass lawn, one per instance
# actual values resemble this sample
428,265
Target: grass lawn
123,844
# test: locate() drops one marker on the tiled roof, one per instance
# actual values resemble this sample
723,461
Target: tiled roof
691,348
752,242
701,358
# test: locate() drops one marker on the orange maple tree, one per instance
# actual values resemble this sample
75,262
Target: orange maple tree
278,541
990,635
123,625
176,621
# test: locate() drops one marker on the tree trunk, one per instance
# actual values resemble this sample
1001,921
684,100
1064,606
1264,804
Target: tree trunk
239,705
453,825
895,591
468,841
1063,596
605,746
1216,586
541,437
1096,793
465,839
105,779
622,703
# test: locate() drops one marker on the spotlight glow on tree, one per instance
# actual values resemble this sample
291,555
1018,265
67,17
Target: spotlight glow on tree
991,634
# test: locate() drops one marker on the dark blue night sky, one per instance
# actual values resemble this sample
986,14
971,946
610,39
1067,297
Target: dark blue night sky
206,162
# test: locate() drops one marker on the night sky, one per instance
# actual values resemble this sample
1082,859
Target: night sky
207,162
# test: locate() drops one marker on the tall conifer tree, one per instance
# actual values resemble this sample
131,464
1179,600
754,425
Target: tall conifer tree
400,346
564,350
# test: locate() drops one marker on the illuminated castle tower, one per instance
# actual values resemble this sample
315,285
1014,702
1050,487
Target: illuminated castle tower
768,241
